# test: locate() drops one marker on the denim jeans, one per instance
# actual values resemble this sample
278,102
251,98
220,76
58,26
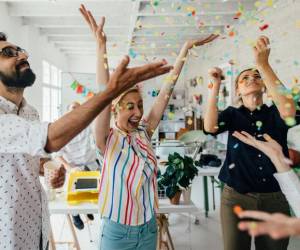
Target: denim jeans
116,236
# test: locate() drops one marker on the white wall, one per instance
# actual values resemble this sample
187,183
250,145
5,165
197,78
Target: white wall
39,49
68,94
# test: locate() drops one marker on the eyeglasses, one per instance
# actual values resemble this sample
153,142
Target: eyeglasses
12,51
247,78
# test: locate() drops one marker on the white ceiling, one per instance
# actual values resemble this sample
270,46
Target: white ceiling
145,28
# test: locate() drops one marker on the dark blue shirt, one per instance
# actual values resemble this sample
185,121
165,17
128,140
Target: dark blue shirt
247,169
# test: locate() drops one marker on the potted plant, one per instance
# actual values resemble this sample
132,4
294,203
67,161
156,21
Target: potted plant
178,176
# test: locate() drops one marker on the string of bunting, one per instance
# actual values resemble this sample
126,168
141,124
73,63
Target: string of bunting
81,89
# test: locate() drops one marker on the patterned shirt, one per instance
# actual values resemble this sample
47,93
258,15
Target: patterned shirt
128,185
24,215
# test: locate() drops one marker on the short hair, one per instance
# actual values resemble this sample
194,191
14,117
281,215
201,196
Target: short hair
3,37
238,76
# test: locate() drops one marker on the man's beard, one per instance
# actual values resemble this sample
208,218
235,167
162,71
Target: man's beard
19,79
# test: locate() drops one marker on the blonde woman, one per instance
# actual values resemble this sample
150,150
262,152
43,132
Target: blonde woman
128,188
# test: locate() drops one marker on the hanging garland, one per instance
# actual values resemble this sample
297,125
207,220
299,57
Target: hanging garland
81,89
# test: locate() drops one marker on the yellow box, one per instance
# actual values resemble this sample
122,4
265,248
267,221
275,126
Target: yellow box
83,186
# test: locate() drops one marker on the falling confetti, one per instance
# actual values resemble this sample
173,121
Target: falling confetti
132,53
155,2
259,124
237,209
235,146
231,33
171,115
253,225
237,15
264,27
290,121
231,166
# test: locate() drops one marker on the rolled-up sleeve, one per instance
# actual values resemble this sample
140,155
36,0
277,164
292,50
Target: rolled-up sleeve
224,121
21,136
290,185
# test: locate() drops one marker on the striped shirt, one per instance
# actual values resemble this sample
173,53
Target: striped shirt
128,185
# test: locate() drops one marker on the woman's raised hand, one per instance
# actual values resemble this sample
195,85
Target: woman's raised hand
97,29
201,41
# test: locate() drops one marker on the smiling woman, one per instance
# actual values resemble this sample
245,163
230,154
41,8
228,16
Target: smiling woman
128,110
128,195
250,183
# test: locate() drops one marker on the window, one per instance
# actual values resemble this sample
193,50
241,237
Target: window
51,92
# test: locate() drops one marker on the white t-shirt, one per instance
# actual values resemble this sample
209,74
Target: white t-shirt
80,151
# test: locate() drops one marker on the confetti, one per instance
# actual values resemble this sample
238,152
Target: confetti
237,209
155,2
264,27
258,4
190,121
269,3
132,53
231,166
259,124
235,146
253,225
237,15
171,115
290,121
288,105
231,33
210,85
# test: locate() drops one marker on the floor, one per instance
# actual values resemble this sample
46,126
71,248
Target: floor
206,235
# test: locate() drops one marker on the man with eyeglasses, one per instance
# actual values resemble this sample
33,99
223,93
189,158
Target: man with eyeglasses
24,220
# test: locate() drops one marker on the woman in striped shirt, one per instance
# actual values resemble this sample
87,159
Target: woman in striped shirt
128,187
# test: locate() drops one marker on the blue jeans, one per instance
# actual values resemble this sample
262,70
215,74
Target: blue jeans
116,236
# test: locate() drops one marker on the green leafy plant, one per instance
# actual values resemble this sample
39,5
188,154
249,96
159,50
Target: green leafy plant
179,174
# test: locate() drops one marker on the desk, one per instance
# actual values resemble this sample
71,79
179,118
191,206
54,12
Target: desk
204,173
60,206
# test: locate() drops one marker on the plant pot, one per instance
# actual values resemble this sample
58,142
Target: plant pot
175,200
186,194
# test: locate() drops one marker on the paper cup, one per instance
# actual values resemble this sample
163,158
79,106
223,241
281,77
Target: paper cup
50,168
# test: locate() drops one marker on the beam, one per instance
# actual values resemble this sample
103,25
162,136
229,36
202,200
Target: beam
70,9
80,31
72,21
83,38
